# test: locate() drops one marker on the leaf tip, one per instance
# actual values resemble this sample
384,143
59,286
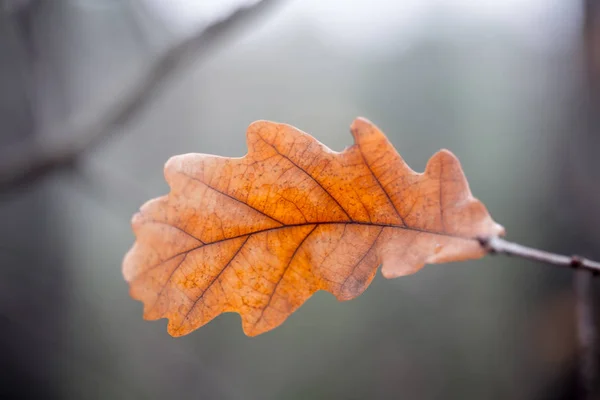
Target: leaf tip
250,332
171,330
361,127
442,156
358,121
172,165
256,127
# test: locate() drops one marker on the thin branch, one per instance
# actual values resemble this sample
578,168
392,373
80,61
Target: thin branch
35,157
496,245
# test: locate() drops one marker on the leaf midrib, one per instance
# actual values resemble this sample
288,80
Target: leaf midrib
364,223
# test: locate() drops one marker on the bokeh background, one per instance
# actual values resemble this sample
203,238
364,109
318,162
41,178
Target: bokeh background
511,87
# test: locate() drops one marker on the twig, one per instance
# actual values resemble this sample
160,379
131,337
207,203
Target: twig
496,245
33,158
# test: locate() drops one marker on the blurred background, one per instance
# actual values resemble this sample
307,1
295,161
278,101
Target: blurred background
95,95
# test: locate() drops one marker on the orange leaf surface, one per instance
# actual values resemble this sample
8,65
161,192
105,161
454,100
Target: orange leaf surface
258,235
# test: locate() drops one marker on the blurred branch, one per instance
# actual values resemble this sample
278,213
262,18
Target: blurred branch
33,158
586,332
588,382
496,245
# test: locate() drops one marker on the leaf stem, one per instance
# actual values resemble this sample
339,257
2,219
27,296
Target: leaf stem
496,245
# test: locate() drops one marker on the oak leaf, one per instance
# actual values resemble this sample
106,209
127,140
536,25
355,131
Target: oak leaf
258,235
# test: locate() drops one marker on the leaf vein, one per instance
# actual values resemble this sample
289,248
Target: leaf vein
233,198
212,281
309,175
285,270
387,195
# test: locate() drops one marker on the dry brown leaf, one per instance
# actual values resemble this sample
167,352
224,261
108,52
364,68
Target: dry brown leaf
258,235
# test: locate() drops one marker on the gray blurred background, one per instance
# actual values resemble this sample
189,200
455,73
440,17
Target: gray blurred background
511,87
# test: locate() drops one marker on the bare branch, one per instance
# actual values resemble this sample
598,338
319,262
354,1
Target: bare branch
33,158
496,245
